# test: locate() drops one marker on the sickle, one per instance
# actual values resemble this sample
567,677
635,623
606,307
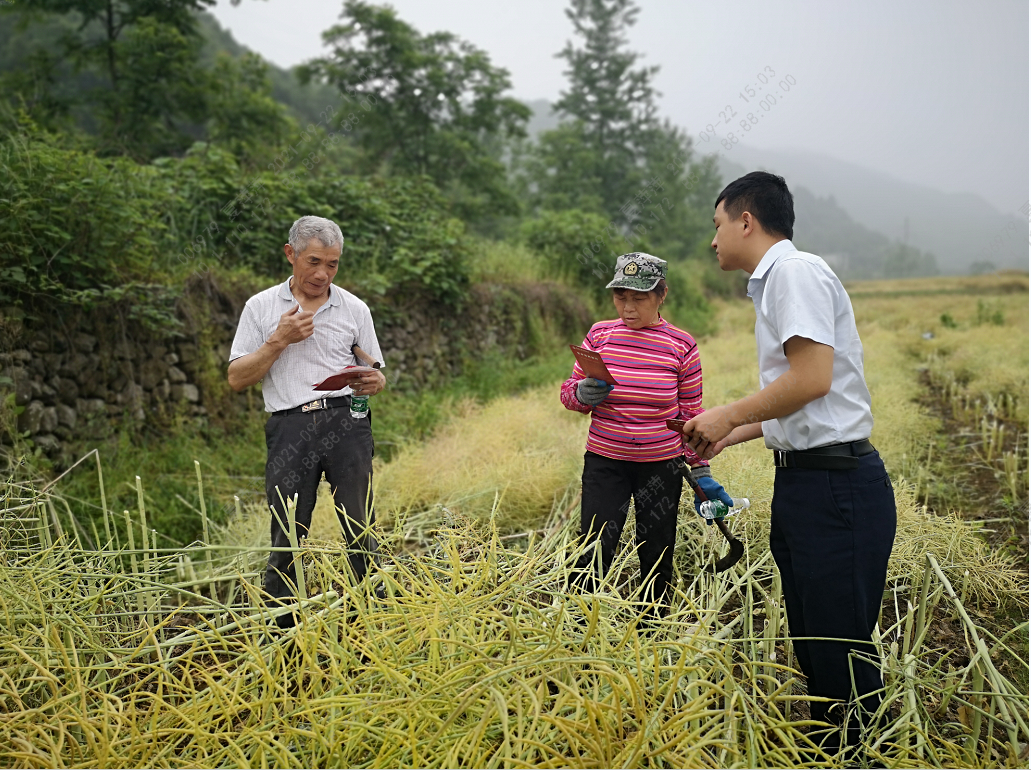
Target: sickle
737,548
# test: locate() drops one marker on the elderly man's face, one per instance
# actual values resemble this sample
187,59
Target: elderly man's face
314,268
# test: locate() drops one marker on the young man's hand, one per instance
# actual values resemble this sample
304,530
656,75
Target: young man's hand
705,432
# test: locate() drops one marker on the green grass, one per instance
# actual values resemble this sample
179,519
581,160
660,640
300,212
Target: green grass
233,461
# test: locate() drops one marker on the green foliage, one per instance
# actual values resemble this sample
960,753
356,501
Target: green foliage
304,103
73,222
611,104
422,104
493,261
562,170
570,242
133,74
613,156
243,116
398,236
686,305
948,321
88,231
989,314
145,89
159,97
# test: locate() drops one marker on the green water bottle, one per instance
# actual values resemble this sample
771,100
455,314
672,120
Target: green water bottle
359,407
717,509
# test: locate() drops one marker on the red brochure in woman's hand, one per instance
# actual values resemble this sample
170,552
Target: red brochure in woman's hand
593,364
343,379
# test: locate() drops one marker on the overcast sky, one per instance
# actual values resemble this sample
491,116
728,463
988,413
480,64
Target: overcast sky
931,91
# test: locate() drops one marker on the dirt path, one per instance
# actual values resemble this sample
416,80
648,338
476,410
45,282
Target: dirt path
970,484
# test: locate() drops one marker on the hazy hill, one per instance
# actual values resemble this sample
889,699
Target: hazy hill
958,228
822,225
306,102
17,45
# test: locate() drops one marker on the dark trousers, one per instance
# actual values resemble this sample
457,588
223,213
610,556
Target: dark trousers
301,447
831,534
608,486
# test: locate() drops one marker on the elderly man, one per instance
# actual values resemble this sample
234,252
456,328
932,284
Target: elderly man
292,336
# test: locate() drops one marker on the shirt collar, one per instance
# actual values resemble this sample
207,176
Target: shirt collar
285,293
284,290
775,252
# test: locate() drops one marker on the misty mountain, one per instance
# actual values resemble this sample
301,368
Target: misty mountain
960,229
822,225
18,42
853,250
306,102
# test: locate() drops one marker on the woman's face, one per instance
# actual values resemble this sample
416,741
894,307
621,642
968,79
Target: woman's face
637,308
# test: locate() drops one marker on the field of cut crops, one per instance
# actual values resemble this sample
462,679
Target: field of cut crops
120,652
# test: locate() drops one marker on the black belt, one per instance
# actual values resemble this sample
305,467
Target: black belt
317,404
833,457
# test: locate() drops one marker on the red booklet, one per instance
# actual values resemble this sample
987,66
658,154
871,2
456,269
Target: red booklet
343,379
593,364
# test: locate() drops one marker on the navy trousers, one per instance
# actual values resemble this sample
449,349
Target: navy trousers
831,533
301,447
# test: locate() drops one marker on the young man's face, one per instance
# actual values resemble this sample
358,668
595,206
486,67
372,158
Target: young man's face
729,239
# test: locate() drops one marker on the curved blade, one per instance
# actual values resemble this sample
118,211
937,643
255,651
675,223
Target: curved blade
737,550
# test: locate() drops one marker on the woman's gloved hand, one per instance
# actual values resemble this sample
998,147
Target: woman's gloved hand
592,392
711,488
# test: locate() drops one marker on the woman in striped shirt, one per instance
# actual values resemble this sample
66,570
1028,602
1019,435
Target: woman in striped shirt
630,451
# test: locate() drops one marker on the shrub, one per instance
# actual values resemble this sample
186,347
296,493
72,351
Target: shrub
73,222
85,230
574,244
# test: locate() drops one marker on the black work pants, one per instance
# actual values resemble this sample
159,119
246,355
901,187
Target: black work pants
831,533
608,486
301,447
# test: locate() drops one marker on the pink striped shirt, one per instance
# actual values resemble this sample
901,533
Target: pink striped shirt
660,377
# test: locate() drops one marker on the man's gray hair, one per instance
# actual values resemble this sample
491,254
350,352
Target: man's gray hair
325,230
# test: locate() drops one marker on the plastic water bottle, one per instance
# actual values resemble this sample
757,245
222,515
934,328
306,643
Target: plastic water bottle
717,509
359,407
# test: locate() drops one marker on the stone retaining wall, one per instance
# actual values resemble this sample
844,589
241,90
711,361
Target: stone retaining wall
85,375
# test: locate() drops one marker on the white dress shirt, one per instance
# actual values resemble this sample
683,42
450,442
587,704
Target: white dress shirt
797,295
342,321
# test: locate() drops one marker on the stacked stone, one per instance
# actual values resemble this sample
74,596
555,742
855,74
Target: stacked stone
80,386
77,388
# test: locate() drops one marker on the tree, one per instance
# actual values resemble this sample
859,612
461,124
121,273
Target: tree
138,80
904,261
422,104
242,114
612,154
609,112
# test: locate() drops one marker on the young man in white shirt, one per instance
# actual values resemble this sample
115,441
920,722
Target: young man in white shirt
833,513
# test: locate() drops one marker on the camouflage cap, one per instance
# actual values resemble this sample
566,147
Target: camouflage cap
638,271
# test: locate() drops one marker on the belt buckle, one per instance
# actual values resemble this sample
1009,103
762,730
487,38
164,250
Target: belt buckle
319,403
780,458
